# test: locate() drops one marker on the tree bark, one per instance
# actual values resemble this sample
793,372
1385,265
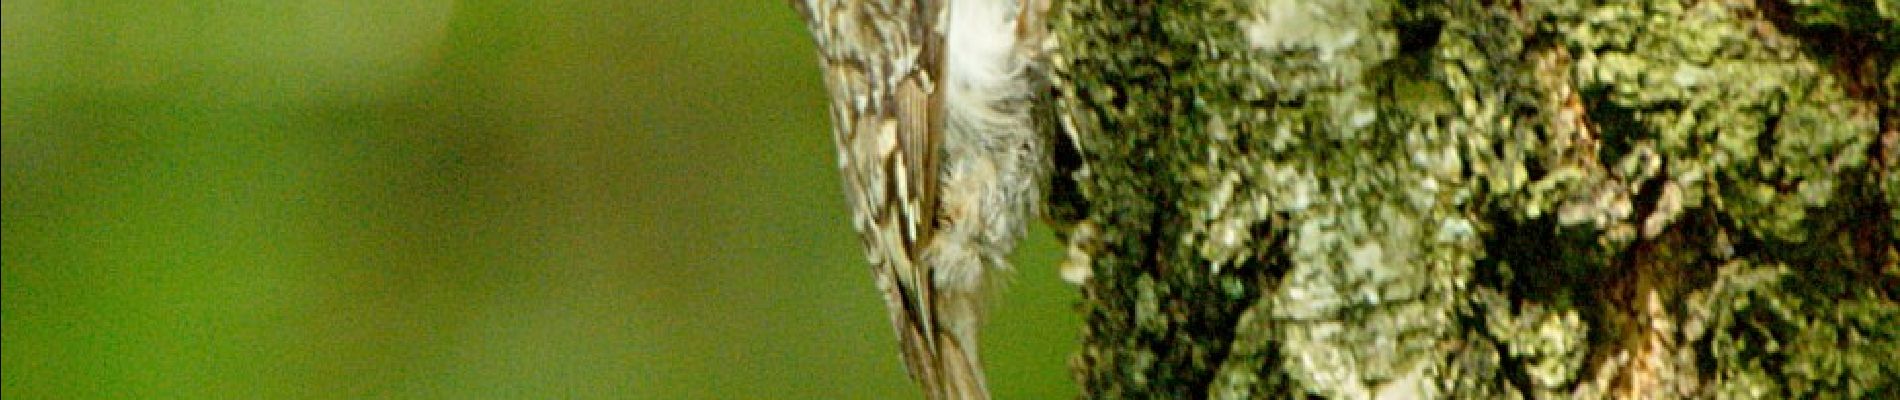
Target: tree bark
1537,198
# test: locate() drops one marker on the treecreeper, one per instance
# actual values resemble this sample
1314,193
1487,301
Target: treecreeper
942,161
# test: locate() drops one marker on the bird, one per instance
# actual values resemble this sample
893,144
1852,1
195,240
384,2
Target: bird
941,159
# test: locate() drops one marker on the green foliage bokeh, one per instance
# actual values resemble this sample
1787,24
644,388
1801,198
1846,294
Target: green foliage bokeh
439,199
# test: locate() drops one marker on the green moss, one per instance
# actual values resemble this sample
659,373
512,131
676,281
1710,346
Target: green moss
1767,338
1357,175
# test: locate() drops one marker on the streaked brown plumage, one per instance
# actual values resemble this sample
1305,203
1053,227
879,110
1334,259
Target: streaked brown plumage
940,161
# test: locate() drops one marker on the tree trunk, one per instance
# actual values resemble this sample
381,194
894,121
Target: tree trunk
1539,198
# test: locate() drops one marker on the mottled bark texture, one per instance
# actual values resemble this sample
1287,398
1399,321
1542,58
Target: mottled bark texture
1466,199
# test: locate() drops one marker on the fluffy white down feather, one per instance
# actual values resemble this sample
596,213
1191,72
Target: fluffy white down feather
985,66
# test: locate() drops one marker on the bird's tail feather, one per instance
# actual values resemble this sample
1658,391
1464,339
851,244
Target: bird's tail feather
962,370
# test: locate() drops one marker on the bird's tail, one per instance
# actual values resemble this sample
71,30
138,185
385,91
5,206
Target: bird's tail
962,370
942,354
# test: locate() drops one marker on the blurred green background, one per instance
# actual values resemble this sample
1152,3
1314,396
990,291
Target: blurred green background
445,200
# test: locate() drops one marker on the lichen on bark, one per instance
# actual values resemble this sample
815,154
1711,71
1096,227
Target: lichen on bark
1357,199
